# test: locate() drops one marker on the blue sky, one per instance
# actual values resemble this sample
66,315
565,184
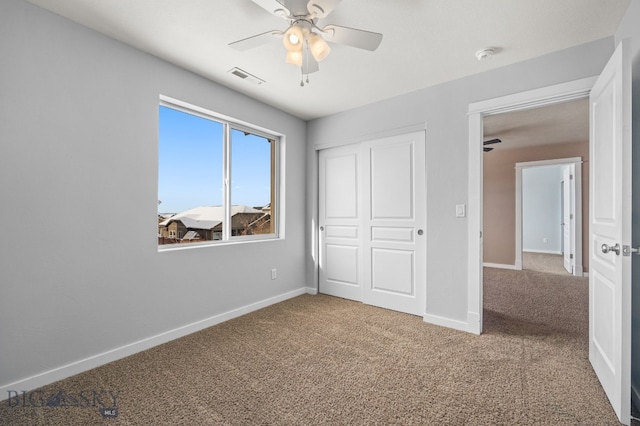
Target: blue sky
190,164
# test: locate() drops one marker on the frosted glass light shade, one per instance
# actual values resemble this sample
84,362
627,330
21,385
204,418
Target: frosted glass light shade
293,38
319,48
294,57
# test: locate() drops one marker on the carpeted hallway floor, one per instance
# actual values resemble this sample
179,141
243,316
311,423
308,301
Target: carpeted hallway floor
544,262
320,360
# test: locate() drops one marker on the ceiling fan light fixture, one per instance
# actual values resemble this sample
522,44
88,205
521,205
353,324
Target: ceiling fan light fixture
294,57
293,38
319,48
305,42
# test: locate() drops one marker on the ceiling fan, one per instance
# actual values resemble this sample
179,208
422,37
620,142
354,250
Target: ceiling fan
304,40
489,142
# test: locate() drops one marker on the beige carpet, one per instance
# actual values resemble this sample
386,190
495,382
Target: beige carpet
544,262
320,360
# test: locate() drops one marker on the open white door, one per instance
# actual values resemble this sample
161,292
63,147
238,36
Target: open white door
610,231
568,221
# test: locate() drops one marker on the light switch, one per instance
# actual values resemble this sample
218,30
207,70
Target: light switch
460,210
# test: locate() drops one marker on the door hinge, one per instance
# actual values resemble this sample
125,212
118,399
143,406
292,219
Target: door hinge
571,216
570,177
571,256
627,250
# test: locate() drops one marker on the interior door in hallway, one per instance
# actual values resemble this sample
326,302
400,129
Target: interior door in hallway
394,219
339,204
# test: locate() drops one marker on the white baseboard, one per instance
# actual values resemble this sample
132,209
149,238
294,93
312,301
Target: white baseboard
499,266
473,323
541,251
450,323
73,368
312,290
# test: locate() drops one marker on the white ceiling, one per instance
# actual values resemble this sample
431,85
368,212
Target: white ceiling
426,42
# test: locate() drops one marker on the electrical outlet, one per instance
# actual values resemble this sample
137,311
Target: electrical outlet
274,273
545,240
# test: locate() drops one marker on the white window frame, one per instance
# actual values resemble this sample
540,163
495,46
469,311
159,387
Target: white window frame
230,124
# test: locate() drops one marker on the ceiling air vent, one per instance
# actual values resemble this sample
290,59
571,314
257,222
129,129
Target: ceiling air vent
245,76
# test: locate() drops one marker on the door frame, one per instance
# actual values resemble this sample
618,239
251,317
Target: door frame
573,90
577,184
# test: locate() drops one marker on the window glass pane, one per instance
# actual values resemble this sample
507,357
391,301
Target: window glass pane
190,193
252,184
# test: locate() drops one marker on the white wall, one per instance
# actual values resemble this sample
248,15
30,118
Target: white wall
444,109
541,209
80,273
629,28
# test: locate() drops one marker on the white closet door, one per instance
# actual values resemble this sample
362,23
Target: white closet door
372,217
340,200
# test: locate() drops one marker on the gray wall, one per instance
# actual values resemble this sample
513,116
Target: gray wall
444,109
80,272
79,269
629,28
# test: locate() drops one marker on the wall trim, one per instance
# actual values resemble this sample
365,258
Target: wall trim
312,290
534,98
576,89
578,236
541,251
635,396
552,162
473,323
76,367
501,266
451,323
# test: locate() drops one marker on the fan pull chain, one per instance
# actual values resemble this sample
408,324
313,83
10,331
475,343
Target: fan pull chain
305,58
302,78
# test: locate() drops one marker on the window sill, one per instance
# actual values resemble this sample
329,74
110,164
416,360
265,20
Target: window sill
237,240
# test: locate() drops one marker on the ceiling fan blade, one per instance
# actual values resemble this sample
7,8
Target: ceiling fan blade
274,6
487,149
321,8
255,41
352,37
492,141
309,64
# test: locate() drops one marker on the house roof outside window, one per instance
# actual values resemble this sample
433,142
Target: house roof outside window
206,217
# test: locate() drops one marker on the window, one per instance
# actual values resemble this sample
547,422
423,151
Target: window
216,178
